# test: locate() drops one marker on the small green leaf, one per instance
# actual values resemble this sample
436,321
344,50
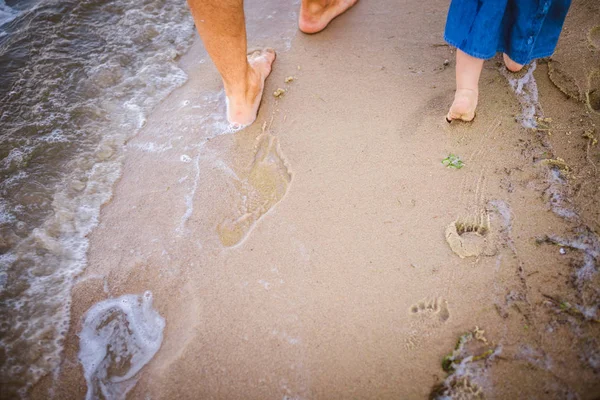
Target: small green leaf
453,161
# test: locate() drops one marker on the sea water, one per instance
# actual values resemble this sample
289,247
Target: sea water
77,79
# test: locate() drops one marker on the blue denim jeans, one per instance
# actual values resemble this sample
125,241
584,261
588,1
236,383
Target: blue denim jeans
523,29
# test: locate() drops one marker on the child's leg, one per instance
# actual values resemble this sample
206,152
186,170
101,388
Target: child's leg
531,29
511,65
468,69
474,27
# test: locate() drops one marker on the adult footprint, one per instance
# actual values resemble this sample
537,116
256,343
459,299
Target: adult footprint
594,37
263,187
563,80
436,308
593,94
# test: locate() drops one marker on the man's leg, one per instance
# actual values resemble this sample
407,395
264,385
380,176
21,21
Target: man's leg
222,27
315,15
468,69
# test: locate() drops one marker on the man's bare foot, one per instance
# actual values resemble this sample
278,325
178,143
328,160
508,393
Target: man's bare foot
510,64
315,15
464,105
243,101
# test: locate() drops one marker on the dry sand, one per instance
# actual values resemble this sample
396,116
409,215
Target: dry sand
306,257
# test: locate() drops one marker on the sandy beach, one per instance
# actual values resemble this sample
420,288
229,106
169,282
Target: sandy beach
327,252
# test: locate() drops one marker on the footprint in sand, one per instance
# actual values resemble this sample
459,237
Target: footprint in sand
427,314
469,236
263,187
593,93
482,233
594,37
432,309
563,80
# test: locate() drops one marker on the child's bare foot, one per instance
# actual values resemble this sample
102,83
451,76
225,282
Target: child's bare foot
243,102
316,15
464,105
510,64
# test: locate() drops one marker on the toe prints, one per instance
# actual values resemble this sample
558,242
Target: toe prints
469,236
427,315
435,309
483,233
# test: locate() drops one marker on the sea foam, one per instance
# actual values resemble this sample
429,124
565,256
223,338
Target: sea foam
64,129
119,337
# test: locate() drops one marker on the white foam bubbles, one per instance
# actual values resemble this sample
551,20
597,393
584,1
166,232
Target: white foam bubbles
130,74
5,215
119,337
526,90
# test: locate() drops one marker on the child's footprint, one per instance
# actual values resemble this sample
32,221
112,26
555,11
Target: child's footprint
594,37
431,308
427,314
469,236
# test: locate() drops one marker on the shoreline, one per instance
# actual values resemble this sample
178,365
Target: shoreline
342,282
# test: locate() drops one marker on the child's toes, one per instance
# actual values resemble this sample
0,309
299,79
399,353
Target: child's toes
466,117
464,105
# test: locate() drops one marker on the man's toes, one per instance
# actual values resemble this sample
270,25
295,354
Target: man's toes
269,54
263,55
261,60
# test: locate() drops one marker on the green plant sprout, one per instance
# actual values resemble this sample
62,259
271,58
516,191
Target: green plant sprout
453,161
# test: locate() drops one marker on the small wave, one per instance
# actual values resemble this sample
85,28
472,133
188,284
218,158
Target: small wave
70,102
119,337
7,14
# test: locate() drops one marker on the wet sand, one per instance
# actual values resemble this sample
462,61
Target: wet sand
306,257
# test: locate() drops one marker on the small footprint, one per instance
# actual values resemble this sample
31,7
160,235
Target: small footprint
431,308
427,314
468,236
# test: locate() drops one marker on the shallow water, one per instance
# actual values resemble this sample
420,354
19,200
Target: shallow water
78,79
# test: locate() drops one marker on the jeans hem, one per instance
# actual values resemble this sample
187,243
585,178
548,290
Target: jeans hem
469,51
500,49
525,61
